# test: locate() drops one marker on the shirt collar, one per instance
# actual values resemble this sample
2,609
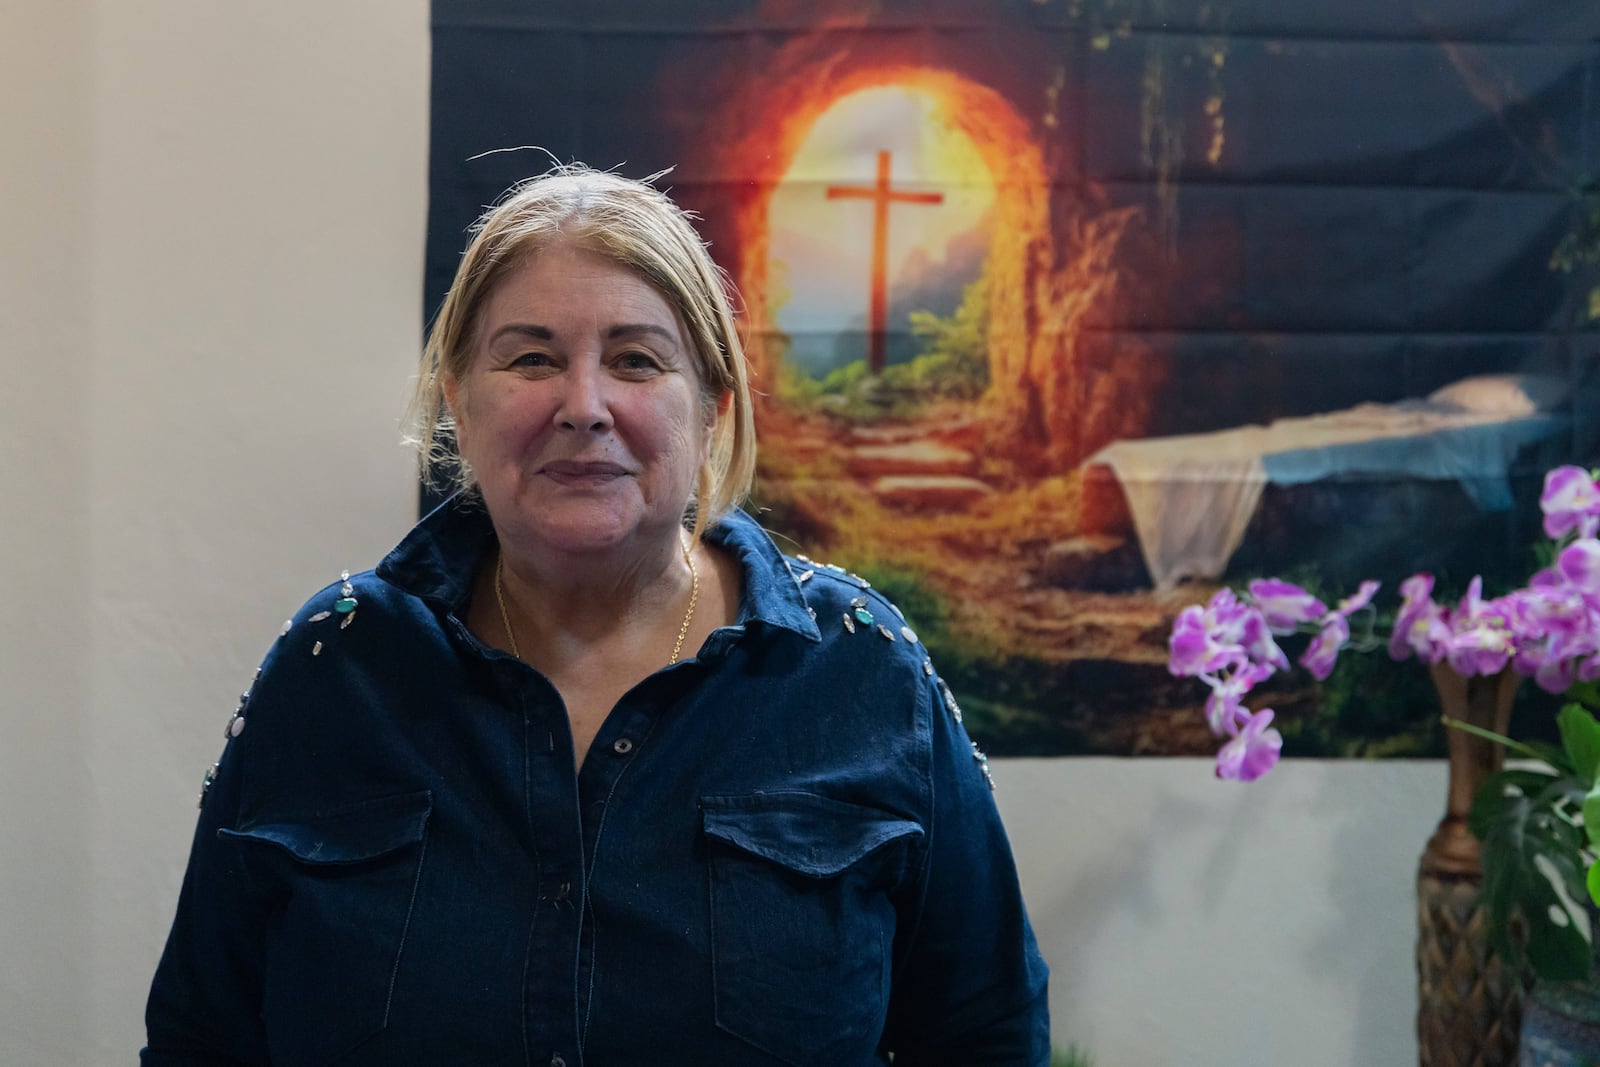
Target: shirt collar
437,559
771,594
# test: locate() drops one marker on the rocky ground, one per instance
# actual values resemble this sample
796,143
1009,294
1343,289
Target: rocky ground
1074,638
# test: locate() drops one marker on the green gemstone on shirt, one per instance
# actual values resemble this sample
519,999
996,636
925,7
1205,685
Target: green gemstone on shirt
345,605
864,615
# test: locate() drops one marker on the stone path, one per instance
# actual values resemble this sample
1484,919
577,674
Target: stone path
906,470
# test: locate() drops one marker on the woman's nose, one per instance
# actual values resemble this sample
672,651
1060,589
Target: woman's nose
584,404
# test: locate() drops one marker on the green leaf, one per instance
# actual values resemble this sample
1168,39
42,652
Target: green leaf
1593,880
1554,755
1580,739
1585,693
1591,815
1498,789
1526,830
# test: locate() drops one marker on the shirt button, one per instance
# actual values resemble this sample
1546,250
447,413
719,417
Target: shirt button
622,746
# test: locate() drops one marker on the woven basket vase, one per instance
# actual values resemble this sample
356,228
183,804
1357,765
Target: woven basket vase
1469,1004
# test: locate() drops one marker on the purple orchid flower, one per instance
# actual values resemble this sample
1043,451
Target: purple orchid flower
1253,752
1284,605
1547,617
1259,645
1556,675
1227,632
1570,501
1223,709
1548,630
1422,627
1557,632
1359,599
1579,564
1198,647
1481,639
1323,651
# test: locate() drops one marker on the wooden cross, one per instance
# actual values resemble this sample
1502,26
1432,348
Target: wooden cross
881,196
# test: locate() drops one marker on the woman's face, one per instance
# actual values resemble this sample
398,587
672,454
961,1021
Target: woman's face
580,412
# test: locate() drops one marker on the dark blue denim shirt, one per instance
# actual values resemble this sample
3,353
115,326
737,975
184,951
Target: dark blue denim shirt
781,851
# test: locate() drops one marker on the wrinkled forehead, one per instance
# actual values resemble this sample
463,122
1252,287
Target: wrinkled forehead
571,284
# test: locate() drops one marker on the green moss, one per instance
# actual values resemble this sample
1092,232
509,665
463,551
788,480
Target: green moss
1071,1056
953,365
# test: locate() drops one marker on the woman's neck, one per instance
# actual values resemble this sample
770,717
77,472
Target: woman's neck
554,606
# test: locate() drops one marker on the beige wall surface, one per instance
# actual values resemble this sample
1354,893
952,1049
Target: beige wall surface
45,892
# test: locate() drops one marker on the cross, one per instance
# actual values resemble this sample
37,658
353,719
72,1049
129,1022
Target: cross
881,196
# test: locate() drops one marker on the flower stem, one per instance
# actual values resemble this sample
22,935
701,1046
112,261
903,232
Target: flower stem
1489,735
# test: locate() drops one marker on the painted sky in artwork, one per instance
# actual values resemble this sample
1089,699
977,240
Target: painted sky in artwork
819,259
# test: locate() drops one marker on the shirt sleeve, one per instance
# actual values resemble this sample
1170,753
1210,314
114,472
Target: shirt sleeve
969,986
204,1008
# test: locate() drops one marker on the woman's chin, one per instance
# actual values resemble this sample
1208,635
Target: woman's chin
542,516
584,530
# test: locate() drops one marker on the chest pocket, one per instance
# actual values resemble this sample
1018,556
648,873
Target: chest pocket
801,922
349,878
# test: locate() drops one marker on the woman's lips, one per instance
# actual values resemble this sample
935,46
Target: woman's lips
574,473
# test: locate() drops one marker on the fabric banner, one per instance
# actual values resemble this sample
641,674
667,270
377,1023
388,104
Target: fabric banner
1063,313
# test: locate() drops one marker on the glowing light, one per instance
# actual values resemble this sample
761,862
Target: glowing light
819,252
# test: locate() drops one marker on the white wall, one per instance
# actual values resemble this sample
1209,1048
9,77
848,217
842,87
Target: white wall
1195,923
212,218
45,649
211,238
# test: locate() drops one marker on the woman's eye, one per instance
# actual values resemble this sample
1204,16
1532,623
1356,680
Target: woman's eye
531,359
636,361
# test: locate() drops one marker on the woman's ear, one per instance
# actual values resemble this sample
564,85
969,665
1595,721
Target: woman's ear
452,402
715,411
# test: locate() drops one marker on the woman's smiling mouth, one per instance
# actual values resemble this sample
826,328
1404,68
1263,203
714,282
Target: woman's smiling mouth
580,474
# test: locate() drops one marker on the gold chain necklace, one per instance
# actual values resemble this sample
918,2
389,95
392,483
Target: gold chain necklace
683,631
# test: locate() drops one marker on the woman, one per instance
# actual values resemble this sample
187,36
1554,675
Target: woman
586,771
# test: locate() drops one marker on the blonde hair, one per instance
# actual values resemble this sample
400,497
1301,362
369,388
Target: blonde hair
635,224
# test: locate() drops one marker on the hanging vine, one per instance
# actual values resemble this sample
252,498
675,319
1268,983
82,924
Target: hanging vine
1162,130
1579,251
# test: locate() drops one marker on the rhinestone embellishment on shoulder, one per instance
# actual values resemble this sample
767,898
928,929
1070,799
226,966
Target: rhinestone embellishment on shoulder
983,765
950,701
206,783
344,608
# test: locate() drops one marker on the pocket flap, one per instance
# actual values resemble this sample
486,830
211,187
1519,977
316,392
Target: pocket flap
805,833
352,834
